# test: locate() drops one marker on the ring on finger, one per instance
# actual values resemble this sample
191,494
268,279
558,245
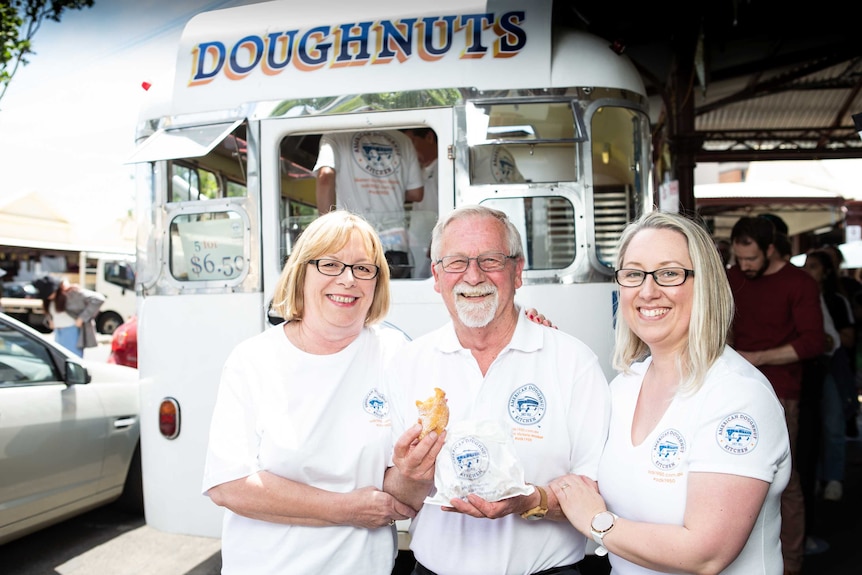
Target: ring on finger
564,486
391,522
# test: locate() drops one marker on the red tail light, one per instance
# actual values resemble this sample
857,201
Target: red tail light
169,418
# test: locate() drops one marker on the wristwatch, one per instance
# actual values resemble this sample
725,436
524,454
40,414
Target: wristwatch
539,512
601,524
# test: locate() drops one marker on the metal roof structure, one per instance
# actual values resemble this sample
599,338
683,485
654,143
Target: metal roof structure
741,81
765,79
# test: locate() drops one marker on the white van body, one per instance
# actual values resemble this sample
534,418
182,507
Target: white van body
226,185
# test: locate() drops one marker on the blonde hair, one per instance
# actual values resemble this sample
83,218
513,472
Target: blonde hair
712,307
326,235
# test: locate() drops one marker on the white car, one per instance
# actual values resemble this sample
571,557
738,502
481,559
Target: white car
69,433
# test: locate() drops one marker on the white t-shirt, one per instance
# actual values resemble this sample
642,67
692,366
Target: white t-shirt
373,170
423,217
734,424
321,420
548,389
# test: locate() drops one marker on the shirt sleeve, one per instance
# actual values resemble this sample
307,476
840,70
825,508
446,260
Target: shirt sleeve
325,154
743,431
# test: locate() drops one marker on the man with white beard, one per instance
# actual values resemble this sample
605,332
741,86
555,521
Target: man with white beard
543,388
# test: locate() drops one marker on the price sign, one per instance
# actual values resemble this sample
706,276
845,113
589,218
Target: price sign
213,249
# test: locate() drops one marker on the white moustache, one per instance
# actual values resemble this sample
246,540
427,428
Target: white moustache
467,290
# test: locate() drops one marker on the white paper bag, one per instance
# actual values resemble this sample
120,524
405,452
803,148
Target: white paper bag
478,457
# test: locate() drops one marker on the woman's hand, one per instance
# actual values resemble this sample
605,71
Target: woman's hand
371,508
579,499
539,318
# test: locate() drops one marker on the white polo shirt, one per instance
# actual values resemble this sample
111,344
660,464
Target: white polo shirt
734,424
546,387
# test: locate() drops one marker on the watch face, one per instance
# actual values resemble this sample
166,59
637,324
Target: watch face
603,521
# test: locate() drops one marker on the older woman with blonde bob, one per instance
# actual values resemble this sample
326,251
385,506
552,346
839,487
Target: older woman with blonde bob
697,456
300,434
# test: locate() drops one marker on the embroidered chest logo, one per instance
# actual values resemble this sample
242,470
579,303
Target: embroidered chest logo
527,405
668,449
377,153
737,433
376,404
470,458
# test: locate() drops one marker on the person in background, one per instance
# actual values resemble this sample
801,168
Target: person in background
697,456
372,173
489,360
838,382
809,447
852,289
723,247
70,311
423,215
778,325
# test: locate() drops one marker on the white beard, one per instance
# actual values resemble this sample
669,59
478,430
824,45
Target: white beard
475,314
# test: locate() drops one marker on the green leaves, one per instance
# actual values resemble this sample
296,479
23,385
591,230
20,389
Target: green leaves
19,22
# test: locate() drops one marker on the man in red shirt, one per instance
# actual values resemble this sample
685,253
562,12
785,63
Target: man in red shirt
778,323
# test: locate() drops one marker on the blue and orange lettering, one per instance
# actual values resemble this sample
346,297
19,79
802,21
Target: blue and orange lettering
214,52
279,52
311,52
352,44
444,25
474,24
512,38
253,45
394,40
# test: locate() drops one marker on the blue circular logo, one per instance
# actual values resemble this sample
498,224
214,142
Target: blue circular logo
527,405
376,404
668,449
470,458
737,433
377,153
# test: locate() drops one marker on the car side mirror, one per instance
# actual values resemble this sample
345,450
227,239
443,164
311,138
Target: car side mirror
76,374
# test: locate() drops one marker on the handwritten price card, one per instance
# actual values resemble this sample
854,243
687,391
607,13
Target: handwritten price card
213,249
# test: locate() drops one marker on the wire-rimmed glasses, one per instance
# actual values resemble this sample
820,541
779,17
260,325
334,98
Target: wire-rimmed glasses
329,267
490,262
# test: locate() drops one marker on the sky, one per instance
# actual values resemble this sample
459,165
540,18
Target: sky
67,121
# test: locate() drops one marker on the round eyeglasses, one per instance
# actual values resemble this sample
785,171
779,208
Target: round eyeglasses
491,262
335,268
665,277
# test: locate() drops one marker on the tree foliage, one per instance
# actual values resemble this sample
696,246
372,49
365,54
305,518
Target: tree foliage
19,22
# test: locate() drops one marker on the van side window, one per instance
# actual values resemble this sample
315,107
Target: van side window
512,143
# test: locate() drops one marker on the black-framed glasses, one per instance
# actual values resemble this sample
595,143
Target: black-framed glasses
335,268
665,277
491,262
